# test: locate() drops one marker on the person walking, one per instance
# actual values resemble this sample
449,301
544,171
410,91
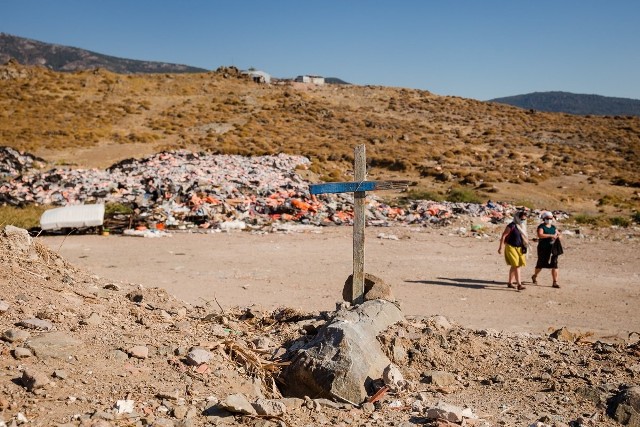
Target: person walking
515,242
549,248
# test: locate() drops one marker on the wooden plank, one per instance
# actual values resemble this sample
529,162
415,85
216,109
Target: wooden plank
342,187
352,187
360,172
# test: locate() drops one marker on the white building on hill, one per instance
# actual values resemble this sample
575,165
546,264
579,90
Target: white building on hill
258,76
316,80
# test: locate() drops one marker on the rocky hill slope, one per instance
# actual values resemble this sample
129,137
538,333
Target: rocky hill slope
444,144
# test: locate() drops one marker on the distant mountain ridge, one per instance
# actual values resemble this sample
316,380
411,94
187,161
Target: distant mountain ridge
65,58
579,104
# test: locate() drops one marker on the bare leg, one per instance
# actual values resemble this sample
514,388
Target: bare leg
519,279
512,276
535,276
554,276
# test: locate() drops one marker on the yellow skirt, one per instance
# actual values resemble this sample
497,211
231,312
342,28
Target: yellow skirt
514,256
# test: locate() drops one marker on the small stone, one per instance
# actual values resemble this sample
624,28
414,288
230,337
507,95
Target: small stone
119,355
368,408
180,412
198,356
219,331
292,403
4,306
393,378
399,354
563,334
139,352
125,406
22,353
441,322
94,319
34,323
60,374
269,407
34,380
238,404
15,335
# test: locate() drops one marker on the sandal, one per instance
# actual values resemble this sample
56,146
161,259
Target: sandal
555,285
521,288
533,280
511,285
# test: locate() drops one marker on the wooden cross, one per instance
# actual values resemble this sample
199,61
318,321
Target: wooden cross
359,187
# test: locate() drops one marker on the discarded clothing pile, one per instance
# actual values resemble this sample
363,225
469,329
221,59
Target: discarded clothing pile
14,162
183,190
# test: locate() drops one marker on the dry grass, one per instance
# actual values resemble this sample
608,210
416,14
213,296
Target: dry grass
24,217
441,142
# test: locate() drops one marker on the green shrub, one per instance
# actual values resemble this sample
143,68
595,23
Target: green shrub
463,195
620,221
635,217
116,208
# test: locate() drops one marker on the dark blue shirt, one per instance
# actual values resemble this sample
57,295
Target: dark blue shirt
515,237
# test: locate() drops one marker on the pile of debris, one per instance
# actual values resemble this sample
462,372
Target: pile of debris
184,190
14,162
80,350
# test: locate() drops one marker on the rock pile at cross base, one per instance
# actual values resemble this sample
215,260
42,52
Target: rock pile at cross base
80,350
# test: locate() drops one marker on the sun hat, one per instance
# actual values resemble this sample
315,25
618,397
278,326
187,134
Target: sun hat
547,214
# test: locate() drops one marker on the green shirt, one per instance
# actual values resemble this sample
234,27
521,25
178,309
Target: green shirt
546,242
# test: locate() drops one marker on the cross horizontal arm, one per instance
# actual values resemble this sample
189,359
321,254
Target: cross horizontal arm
351,187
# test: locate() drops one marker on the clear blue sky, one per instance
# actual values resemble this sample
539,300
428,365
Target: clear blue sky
478,49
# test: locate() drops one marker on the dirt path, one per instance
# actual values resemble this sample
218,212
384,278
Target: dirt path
432,271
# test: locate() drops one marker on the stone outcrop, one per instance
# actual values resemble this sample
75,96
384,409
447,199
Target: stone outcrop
345,356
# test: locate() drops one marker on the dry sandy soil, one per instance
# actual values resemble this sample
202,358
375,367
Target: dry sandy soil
431,271
80,349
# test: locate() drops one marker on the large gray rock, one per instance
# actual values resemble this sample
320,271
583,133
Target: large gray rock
57,345
344,356
626,407
18,238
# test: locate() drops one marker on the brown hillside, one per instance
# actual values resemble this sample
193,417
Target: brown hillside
545,160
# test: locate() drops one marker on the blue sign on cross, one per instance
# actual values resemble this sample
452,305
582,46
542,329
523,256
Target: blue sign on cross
359,188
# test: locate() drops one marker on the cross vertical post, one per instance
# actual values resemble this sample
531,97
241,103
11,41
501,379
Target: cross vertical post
359,188
360,172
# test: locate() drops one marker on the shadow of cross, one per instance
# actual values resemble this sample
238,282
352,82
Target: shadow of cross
359,188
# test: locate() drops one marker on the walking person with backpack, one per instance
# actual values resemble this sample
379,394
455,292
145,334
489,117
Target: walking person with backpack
515,242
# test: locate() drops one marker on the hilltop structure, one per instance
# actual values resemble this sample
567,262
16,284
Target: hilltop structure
316,80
